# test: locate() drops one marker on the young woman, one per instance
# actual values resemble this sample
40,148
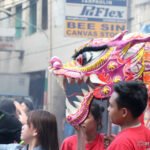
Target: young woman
38,133
87,133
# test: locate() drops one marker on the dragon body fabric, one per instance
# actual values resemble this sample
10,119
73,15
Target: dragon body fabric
96,66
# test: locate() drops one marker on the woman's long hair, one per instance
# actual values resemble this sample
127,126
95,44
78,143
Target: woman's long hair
45,124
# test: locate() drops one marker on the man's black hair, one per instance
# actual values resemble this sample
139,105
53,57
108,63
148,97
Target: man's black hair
132,95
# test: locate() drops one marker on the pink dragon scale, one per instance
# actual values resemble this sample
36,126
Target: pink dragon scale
96,66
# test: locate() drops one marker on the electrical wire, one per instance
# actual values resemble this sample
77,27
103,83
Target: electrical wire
12,4
46,50
13,14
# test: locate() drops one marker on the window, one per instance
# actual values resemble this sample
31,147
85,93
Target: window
6,19
33,16
139,2
44,14
19,21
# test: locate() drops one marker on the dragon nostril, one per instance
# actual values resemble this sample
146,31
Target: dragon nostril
57,64
54,59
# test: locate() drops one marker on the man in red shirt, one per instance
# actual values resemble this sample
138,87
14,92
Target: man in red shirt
147,115
127,103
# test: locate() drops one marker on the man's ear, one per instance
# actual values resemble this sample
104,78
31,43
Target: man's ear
124,112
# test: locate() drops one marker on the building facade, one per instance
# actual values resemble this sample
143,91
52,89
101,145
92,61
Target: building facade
139,19
39,35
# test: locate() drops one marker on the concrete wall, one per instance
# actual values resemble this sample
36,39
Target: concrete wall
40,46
35,46
139,14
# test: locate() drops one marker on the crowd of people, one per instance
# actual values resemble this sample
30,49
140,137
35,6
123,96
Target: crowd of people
23,128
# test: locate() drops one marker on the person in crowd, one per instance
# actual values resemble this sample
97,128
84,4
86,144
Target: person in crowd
26,104
10,126
87,136
7,106
38,133
23,106
126,104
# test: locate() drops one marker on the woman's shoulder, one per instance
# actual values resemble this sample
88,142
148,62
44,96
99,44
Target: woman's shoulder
38,148
35,148
10,146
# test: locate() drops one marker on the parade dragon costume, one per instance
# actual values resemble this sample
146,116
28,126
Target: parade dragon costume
96,66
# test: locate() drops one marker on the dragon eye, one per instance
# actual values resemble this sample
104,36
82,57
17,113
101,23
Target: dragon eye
79,59
84,58
89,54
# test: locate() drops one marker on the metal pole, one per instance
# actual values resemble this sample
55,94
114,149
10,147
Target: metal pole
50,96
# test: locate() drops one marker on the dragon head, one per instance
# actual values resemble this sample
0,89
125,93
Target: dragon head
94,69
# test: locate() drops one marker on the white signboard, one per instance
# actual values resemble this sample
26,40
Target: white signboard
95,18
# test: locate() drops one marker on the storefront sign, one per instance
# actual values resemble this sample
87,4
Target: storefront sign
95,18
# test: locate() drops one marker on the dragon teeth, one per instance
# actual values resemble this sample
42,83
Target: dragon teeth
90,88
77,104
69,80
84,91
70,108
80,98
77,81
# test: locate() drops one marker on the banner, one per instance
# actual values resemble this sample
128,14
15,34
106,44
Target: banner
95,18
